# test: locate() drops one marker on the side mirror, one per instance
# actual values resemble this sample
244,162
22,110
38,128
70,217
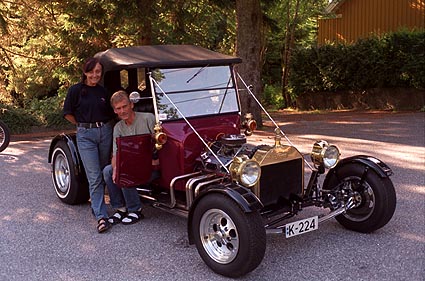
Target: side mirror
134,97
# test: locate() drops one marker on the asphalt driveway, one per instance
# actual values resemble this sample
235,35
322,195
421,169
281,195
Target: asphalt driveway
44,239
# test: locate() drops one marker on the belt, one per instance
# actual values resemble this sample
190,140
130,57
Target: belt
92,125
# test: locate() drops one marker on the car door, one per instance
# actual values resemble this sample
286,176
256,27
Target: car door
134,160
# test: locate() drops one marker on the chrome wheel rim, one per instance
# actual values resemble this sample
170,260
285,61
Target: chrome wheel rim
219,236
364,200
61,173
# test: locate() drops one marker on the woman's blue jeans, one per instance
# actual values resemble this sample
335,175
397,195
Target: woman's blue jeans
94,146
121,197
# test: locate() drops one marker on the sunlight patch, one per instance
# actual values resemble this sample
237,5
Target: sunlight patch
413,237
416,189
351,122
42,217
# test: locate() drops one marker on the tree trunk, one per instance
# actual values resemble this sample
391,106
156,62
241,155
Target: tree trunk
248,47
291,24
145,11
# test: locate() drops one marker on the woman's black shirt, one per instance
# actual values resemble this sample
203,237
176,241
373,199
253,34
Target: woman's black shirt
88,104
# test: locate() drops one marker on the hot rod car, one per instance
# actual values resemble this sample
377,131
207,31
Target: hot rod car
231,191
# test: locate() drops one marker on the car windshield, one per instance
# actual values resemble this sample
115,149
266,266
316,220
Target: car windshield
195,91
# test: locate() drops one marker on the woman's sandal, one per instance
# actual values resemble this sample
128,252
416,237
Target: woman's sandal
102,225
132,217
117,217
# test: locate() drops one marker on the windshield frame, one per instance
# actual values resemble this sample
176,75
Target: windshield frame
216,98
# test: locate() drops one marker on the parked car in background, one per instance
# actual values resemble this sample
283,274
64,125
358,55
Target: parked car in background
231,191
4,136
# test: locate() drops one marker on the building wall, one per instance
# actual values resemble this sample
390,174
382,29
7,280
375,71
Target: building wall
357,19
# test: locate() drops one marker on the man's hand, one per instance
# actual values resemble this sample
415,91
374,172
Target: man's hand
114,175
114,170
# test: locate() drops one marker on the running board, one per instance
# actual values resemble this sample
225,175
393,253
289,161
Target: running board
174,211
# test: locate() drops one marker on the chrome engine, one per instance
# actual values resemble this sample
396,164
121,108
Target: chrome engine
225,148
282,166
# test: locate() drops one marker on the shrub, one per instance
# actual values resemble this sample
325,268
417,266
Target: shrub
49,111
393,60
46,112
272,97
17,119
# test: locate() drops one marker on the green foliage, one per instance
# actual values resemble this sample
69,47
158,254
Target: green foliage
393,60
272,97
44,43
48,111
207,23
276,22
17,119
405,52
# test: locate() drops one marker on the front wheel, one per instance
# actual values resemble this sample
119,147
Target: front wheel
4,136
67,186
231,242
374,197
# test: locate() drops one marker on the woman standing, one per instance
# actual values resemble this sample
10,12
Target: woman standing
87,106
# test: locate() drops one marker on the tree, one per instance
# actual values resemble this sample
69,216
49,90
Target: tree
26,62
43,43
249,49
292,24
287,50
145,15
298,14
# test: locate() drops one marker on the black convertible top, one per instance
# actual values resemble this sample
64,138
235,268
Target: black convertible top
163,56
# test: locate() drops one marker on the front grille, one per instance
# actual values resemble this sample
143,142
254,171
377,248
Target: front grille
280,180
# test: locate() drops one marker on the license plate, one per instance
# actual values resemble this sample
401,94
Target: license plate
302,226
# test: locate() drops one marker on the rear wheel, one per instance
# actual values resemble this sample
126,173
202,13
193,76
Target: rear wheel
231,242
67,186
374,197
4,136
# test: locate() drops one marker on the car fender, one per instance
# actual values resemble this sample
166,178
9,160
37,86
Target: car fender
244,198
71,142
370,162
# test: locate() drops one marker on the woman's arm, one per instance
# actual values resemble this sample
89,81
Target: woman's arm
71,118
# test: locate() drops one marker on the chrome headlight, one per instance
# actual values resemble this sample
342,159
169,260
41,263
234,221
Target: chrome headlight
325,154
245,171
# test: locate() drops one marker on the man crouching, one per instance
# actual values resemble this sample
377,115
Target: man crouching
125,201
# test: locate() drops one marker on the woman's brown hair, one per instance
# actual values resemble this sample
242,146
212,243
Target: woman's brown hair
89,65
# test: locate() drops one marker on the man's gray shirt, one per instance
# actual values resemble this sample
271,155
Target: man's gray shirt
143,123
